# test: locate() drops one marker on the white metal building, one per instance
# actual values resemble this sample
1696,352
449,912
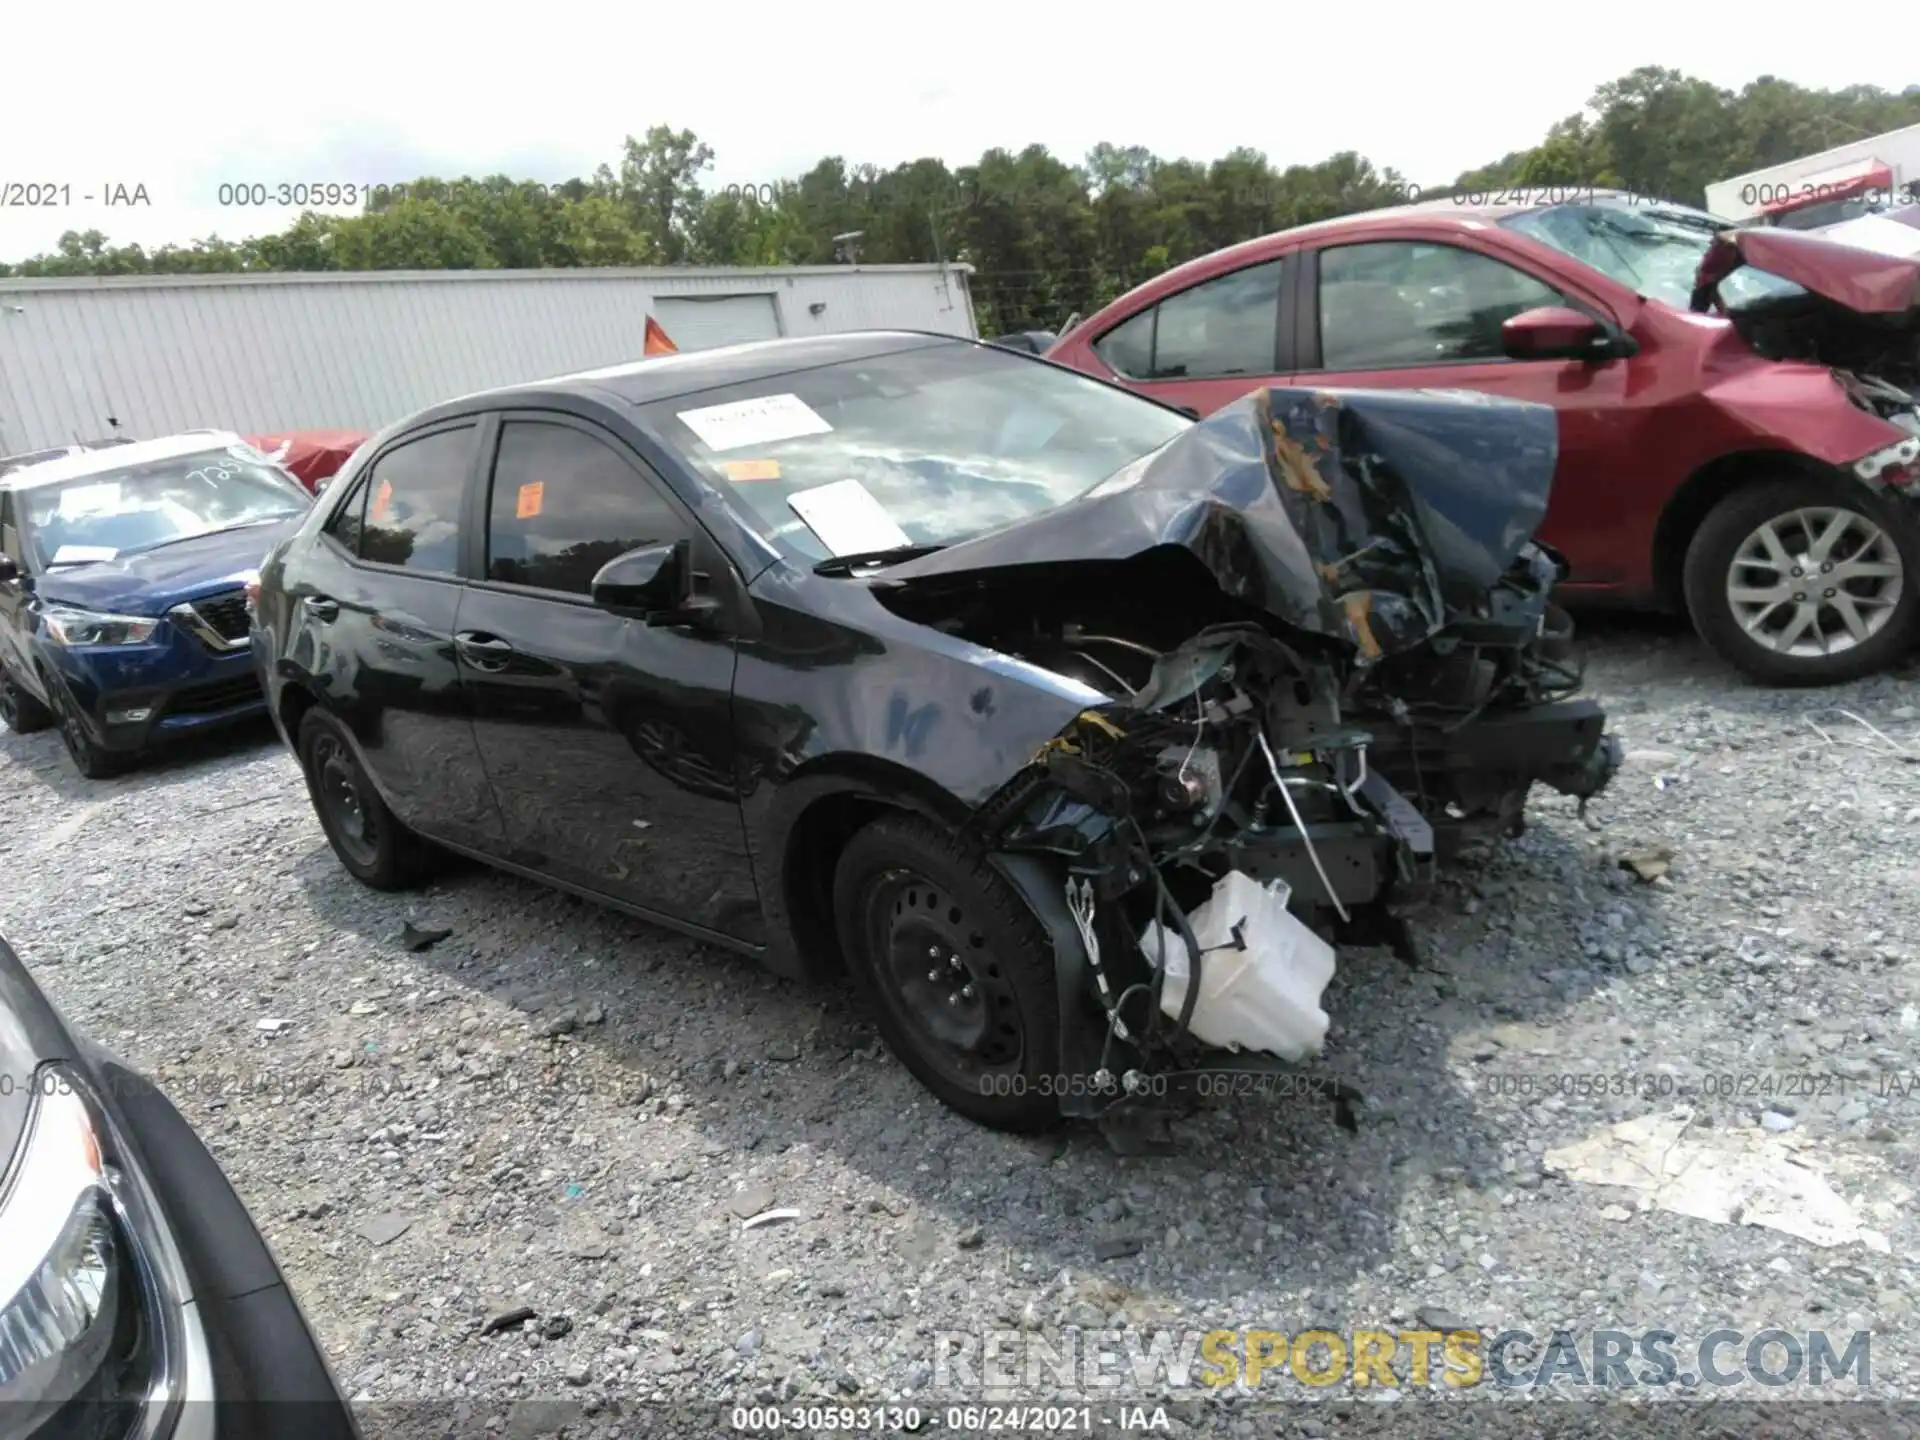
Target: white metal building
1880,171
356,350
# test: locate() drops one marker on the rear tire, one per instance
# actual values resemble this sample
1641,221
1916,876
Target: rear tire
367,837
19,711
956,968
1819,626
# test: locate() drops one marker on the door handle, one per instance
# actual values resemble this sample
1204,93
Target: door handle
323,607
483,651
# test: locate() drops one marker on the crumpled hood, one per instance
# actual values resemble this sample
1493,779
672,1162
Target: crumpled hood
1368,516
1852,276
151,582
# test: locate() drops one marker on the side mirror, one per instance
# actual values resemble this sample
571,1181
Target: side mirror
653,583
9,570
1553,332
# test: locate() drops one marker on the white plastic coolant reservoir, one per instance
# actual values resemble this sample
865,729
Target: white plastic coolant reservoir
1260,991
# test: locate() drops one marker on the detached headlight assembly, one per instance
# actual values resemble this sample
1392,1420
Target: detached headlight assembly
69,626
88,1345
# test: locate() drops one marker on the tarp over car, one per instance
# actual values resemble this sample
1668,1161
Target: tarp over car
312,455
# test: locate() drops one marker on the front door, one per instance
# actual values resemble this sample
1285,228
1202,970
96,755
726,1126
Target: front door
609,741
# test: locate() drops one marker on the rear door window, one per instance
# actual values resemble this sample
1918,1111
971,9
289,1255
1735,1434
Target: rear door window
1220,328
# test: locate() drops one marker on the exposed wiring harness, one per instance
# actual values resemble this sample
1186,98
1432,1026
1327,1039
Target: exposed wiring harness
1293,810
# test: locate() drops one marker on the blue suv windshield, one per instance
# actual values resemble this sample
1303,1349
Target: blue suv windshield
111,513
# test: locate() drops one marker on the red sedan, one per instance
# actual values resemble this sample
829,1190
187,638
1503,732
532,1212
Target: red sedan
1739,433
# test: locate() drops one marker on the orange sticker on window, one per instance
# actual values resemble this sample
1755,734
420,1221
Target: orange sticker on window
383,500
532,496
751,469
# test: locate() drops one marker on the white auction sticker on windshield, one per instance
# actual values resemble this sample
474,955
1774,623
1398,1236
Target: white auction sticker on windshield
760,421
90,499
846,517
83,554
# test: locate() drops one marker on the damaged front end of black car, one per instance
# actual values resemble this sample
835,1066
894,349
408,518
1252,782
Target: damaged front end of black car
1332,660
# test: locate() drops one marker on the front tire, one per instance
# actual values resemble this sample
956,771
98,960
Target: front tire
19,711
89,757
956,968
1801,582
367,837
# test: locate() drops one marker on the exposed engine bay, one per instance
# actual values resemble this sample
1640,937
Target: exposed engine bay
1330,660
1851,309
1877,357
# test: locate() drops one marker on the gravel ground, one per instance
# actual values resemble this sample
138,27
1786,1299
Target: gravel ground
561,1110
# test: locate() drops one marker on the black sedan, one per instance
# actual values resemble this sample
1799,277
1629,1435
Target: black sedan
136,1297
948,664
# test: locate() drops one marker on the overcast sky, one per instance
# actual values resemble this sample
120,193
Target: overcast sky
144,96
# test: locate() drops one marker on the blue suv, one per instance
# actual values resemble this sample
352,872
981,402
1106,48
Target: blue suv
123,590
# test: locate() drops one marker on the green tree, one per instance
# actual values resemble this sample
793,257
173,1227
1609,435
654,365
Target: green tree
660,185
1047,237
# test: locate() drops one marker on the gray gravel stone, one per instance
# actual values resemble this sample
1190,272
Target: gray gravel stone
1561,995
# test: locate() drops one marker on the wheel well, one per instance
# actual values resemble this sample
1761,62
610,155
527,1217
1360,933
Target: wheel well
814,847
1695,499
819,837
295,701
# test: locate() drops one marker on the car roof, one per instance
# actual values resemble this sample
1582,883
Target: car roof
666,377
1476,209
117,457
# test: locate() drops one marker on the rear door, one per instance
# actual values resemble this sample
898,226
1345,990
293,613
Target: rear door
376,599
1407,313
1207,345
609,741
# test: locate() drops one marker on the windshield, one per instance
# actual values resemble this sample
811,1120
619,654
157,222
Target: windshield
924,447
1655,249
137,507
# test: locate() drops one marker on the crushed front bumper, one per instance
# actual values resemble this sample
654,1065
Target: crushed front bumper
1411,799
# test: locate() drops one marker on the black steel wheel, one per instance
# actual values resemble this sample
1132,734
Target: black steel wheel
89,758
19,711
957,969
376,849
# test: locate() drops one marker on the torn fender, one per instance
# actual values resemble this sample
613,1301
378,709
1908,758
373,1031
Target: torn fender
1370,517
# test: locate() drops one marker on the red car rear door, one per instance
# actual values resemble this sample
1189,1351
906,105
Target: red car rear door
1397,313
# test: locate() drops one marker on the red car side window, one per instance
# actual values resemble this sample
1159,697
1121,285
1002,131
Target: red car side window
1225,326
1400,302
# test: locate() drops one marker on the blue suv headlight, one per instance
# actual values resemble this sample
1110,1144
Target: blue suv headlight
69,626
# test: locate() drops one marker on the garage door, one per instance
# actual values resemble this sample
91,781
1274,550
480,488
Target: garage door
702,322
